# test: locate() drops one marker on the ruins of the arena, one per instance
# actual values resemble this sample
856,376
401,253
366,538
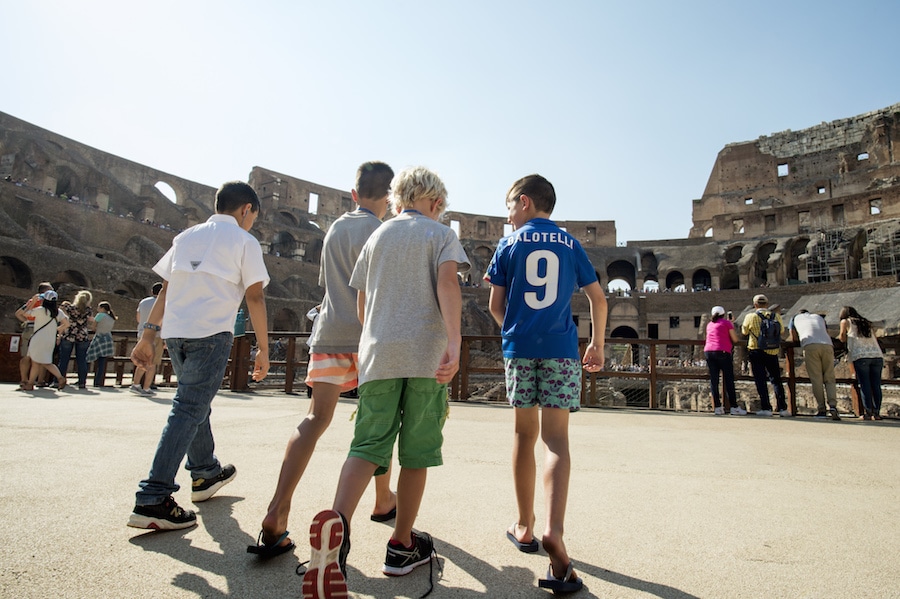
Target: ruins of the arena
813,216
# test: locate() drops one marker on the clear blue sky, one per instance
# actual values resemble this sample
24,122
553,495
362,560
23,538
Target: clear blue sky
623,106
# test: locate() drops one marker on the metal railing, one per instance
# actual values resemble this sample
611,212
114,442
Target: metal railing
639,373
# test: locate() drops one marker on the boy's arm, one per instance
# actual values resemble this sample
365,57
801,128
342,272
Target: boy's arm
497,303
361,306
142,354
593,354
450,300
256,305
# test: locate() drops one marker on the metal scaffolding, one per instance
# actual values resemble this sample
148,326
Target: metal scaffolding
883,250
829,258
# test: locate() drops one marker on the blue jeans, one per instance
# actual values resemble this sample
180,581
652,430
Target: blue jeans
199,365
99,371
721,361
81,365
868,373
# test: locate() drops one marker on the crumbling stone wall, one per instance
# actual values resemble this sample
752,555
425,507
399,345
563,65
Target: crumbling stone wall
794,182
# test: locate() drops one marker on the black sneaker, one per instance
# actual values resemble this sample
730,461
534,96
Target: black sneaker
204,488
401,560
167,515
329,540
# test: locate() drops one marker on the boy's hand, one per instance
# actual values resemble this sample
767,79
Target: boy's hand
260,366
142,354
593,358
449,365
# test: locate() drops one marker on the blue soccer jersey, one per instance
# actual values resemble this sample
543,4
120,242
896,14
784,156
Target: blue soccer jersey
541,266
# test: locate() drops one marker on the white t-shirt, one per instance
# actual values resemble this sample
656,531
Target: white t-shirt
208,268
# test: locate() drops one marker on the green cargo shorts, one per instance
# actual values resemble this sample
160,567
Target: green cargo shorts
413,409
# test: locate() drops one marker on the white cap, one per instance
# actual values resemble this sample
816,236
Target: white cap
718,311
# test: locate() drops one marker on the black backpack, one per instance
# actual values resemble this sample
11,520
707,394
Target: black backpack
769,331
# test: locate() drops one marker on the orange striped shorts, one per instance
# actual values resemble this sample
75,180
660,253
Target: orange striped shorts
334,369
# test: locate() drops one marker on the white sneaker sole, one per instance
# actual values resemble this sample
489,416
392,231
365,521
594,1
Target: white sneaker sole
150,523
199,496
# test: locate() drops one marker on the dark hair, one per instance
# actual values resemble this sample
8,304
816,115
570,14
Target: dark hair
45,286
716,317
863,325
538,189
233,195
51,306
109,309
373,180
157,287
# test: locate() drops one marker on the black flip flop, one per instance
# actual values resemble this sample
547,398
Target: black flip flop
532,547
266,551
569,583
384,517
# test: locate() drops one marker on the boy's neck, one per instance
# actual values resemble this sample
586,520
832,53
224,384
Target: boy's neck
430,208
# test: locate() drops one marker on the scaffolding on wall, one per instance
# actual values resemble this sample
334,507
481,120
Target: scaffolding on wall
883,250
829,259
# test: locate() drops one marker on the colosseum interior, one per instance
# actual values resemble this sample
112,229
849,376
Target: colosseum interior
810,215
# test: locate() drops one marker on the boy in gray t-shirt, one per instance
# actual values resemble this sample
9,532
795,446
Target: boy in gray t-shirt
410,306
334,344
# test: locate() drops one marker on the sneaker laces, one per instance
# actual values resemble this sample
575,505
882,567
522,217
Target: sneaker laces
434,558
301,568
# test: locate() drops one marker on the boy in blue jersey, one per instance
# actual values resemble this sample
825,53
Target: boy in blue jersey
533,274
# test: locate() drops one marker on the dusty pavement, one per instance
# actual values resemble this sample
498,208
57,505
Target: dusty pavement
661,504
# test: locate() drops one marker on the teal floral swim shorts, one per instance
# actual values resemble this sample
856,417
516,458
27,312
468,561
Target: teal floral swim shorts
546,382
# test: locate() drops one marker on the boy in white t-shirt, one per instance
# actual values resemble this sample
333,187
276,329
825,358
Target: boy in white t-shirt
207,272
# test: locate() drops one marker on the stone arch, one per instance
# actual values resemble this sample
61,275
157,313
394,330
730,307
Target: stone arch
731,277
674,279
625,332
283,244
282,217
67,182
733,254
792,268
621,269
15,273
856,253
314,251
623,310
131,289
167,191
702,280
73,277
286,319
650,265
172,190
761,267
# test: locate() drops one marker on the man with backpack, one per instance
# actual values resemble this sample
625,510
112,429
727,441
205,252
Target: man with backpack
764,329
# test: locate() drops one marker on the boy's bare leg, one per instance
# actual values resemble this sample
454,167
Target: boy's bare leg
149,375
299,450
557,464
410,489
385,499
352,484
527,428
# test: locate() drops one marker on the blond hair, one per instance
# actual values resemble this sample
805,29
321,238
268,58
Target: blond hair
414,184
83,299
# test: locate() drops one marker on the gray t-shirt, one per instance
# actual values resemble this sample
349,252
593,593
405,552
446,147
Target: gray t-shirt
337,327
403,335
